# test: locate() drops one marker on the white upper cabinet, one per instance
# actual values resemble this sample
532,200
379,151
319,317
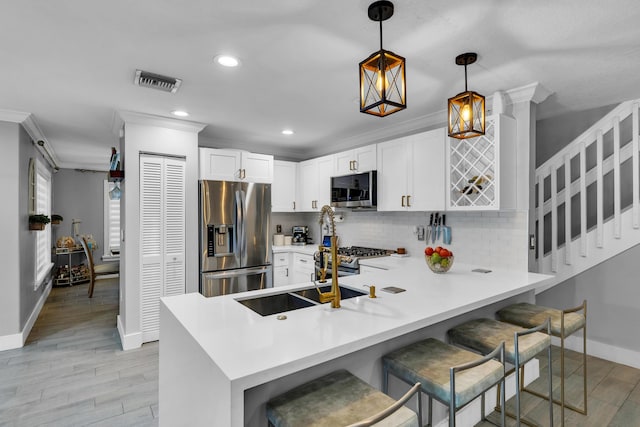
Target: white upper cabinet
235,165
482,170
411,173
361,159
283,190
314,182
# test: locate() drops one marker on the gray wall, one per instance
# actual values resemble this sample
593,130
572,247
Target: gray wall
19,298
612,293
610,288
555,133
28,296
10,224
80,195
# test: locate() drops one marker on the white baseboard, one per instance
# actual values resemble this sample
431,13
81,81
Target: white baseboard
8,342
130,341
604,351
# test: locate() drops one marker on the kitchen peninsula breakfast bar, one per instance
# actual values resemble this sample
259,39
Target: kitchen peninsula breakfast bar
220,361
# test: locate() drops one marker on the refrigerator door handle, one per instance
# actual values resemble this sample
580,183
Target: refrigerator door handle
238,272
242,239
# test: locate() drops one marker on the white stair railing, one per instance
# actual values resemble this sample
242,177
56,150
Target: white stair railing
607,236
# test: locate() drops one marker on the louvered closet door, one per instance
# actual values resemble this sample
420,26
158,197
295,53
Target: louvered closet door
162,227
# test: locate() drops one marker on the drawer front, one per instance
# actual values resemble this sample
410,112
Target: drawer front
303,262
281,260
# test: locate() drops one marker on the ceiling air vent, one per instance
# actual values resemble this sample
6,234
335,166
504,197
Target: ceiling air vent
157,81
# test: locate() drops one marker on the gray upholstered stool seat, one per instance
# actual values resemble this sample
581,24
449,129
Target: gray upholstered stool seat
430,362
529,315
563,323
521,345
337,399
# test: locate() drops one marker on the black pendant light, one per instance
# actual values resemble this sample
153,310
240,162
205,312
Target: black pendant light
466,109
382,75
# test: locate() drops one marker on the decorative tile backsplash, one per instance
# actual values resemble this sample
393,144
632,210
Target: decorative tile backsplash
488,239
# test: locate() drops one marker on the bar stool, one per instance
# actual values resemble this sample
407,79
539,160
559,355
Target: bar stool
340,399
563,324
451,375
521,345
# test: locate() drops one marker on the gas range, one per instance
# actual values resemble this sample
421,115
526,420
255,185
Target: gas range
350,255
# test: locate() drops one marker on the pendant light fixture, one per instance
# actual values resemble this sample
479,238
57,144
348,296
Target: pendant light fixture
466,109
382,75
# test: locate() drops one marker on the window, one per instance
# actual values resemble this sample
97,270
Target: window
111,222
42,205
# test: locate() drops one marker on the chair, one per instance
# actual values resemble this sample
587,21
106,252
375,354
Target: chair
451,375
521,345
563,323
95,271
340,399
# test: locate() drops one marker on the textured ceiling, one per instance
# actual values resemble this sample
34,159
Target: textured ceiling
71,63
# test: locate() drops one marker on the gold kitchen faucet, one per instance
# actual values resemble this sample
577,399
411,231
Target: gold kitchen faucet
334,294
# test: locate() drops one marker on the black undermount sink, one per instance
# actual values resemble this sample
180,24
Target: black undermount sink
312,293
288,301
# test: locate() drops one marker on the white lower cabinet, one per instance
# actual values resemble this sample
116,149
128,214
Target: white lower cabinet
281,269
303,268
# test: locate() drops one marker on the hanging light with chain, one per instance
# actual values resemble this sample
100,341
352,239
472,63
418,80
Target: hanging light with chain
466,109
382,74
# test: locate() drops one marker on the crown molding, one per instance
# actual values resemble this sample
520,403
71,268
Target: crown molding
13,116
30,125
533,92
123,117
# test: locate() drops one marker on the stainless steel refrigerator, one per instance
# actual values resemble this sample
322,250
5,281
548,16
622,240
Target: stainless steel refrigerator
235,248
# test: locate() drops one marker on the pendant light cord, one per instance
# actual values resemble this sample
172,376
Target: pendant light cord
465,75
380,20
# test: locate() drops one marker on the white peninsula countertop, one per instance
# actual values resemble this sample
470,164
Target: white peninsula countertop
213,350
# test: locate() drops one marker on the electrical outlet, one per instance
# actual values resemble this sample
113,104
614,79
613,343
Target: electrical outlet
532,241
419,230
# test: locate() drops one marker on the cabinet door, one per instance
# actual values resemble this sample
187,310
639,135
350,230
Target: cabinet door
325,172
392,175
344,163
365,158
256,167
162,230
307,186
220,165
426,183
361,159
283,190
174,227
280,276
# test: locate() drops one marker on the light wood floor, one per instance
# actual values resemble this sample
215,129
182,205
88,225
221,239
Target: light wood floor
613,394
72,372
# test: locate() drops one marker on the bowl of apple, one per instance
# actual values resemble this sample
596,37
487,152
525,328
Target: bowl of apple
438,259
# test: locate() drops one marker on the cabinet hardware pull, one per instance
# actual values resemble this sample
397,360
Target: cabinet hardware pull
408,201
403,201
355,165
294,206
244,173
303,260
287,272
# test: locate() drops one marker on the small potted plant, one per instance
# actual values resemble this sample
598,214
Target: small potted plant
38,221
56,219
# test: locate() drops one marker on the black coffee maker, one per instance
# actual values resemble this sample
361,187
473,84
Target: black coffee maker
300,235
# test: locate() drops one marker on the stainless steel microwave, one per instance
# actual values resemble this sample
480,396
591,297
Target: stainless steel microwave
357,190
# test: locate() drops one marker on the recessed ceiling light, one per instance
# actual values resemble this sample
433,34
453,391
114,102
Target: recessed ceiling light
227,60
180,113
287,132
